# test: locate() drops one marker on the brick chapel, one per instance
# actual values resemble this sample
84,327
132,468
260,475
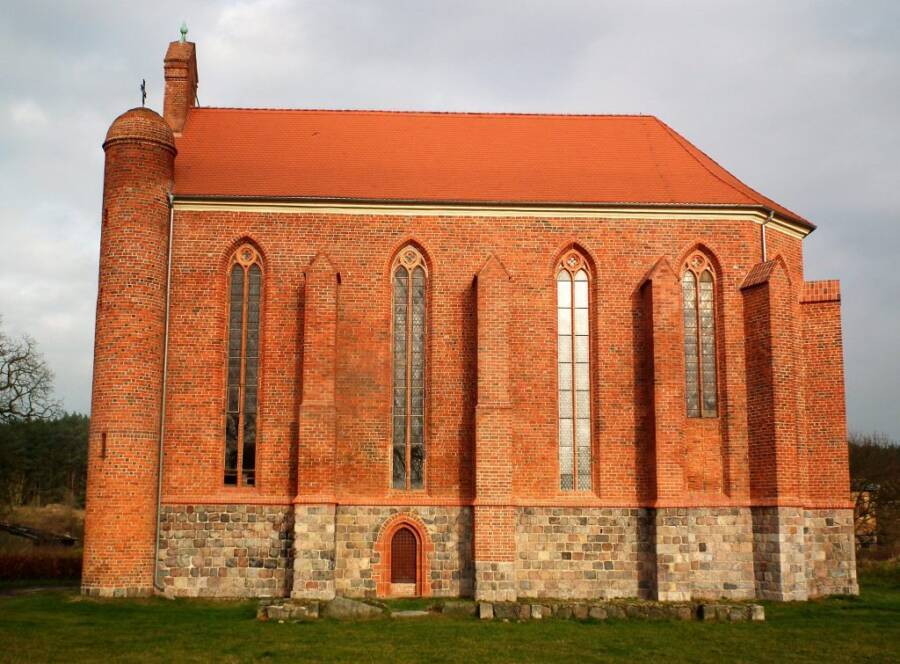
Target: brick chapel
371,353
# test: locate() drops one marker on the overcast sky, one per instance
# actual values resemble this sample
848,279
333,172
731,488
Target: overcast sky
801,100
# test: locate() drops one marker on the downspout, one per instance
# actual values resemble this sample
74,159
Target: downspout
162,413
762,235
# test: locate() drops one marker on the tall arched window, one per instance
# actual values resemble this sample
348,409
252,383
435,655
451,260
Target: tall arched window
245,277
573,365
410,276
698,293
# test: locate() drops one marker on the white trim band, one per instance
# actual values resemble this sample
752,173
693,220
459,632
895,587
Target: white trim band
759,216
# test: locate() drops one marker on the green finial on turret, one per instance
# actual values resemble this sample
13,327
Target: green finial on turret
183,31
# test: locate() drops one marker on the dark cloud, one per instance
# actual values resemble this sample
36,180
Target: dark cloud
799,99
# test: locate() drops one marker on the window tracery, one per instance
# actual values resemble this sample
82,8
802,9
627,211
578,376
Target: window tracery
698,295
409,277
573,372
245,282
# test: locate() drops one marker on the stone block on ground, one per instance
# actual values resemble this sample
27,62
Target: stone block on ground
458,607
506,611
342,608
597,613
410,614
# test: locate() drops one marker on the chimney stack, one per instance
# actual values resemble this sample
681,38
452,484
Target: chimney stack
181,82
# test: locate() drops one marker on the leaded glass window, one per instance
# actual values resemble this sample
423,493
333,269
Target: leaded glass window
698,295
573,371
242,383
408,357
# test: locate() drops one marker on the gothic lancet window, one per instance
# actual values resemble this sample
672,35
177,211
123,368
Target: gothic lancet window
573,366
698,293
409,277
245,277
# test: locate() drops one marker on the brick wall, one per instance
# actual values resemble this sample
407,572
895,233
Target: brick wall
457,248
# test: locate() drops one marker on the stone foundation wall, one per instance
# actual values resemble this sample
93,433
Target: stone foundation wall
704,553
495,581
450,572
314,551
225,550
779,561
830,552
584,553
674,554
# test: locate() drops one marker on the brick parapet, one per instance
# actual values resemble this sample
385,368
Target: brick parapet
821,291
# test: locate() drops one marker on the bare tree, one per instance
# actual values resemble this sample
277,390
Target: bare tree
26,382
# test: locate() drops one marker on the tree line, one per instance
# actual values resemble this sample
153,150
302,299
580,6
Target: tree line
44,461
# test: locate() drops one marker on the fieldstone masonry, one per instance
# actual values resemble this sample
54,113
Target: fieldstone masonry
778,557
225,550
495,581
830,552
450,570
704,553
314,551
584,552
317,552
335,550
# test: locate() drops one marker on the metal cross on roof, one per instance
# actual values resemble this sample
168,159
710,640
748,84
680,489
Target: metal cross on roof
143,91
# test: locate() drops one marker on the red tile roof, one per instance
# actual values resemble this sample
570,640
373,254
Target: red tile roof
450,158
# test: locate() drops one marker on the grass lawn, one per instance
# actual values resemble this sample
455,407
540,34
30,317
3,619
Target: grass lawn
61,626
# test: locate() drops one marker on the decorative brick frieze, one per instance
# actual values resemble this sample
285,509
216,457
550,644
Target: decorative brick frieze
225,550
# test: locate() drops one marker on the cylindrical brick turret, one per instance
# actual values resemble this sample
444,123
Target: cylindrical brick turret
120,519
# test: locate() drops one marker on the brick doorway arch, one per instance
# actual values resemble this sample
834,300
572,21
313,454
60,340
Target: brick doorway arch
403,551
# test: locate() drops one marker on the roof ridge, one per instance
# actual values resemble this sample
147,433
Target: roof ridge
681,140
377,111
743,188
656,166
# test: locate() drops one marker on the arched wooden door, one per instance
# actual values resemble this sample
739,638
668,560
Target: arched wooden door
404,556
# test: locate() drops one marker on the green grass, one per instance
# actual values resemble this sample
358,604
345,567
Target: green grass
61,626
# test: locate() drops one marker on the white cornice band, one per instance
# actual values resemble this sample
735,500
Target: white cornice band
757,215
